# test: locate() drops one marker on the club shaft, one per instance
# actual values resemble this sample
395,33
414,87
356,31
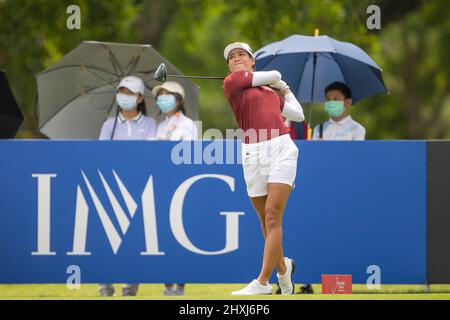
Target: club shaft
193,77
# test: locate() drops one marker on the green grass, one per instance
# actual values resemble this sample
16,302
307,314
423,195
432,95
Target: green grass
221,292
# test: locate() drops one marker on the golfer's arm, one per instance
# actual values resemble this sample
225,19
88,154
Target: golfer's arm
292,110
261,78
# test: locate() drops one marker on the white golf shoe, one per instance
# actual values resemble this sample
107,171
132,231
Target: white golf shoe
254,288
285,281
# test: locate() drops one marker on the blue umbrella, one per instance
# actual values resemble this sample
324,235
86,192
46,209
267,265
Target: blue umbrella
309,64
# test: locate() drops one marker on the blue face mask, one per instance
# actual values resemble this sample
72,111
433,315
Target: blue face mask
166,102
334,108
126,102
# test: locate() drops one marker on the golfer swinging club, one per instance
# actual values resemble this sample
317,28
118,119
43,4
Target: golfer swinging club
269,156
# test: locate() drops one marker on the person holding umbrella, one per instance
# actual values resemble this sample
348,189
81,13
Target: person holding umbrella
82,85
269,156
175,126
310,64
341,126
130,123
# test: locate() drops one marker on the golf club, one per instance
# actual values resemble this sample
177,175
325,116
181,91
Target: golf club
161,75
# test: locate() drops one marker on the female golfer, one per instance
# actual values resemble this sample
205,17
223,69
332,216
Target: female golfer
269,156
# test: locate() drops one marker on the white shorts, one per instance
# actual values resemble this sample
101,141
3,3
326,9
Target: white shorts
272,161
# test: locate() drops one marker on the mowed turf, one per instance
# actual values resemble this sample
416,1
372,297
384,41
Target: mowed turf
221,292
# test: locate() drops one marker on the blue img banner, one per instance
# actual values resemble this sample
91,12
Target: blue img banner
161,212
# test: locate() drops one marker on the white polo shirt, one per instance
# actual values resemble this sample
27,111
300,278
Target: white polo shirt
177,127
139,128
346,129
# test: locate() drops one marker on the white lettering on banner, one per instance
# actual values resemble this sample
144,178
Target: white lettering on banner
44,206
115,240
129,202
81,221
124,223
176,217
111,232
148,212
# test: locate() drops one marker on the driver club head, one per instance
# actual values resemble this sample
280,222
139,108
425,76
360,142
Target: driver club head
161,73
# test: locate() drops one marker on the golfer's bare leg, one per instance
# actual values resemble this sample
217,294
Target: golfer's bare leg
259,203
277,197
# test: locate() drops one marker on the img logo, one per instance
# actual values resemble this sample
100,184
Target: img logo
124,215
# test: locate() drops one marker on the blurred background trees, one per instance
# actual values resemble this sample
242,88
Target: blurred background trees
411,47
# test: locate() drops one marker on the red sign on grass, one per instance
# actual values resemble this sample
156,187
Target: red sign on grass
336,283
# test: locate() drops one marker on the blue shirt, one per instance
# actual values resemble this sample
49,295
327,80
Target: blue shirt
139,128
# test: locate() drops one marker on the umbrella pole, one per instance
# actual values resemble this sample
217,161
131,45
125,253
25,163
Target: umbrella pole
309,133
312,96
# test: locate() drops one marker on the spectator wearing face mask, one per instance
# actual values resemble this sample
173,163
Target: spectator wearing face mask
341,126
175,126
130,123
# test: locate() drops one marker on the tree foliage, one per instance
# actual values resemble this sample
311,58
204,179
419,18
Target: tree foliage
33,35
411,47
413,56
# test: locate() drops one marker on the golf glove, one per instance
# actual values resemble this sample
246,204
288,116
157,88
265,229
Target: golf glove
279,85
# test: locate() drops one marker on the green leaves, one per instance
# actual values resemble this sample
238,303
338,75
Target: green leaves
34,35
412,47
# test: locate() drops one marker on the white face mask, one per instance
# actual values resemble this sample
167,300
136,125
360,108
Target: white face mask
126,102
